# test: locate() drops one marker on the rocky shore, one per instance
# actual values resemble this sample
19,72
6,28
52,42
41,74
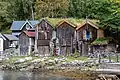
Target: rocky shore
75,67
46,63
28,63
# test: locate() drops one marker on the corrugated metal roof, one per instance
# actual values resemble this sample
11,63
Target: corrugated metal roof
17,25
34,22
11,37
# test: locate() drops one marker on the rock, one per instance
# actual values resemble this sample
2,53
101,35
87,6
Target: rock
36,60
50,63
30,68
50,68
19,61
28,58
59,60
23,69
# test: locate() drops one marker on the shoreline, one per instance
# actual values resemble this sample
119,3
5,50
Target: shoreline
64,66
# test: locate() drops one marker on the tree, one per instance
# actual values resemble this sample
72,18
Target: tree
15,10
111,23
20,9
94,9
51,8
3,15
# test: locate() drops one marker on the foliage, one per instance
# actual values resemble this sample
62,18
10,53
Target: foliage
106,11
20,9
14,10
51,8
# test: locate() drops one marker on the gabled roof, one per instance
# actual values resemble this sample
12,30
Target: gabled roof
18,25
1,36
86,22
29,33
44,19
65,21
10,37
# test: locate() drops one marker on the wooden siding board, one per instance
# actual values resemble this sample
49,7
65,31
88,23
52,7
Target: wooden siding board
64,33
24,44
43,42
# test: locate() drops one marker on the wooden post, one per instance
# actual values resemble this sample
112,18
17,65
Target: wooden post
65,48
80,47
109,57
71,46
117,60
36,38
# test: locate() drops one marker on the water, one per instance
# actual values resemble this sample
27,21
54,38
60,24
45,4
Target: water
8,75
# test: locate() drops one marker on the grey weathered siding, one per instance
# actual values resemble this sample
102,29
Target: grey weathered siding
24,44
44,37
65,34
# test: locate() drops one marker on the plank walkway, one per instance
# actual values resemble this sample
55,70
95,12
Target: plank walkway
107,77
108,71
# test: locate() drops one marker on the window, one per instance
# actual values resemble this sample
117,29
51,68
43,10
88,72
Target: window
27,26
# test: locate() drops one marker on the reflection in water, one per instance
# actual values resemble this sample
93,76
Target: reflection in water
7,75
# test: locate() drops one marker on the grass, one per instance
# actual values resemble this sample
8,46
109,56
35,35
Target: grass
103,41
69,58
82,58
74,21
15,58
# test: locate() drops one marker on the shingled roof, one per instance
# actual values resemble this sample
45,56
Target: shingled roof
18,25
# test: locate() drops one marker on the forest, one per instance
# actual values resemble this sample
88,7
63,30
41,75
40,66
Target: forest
106,11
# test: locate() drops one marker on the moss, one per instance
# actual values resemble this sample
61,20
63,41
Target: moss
103,41
74,21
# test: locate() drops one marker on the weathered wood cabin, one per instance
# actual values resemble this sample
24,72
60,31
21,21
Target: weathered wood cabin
86,33
18,26
11,41
66,34
44,34
7,41
27,42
